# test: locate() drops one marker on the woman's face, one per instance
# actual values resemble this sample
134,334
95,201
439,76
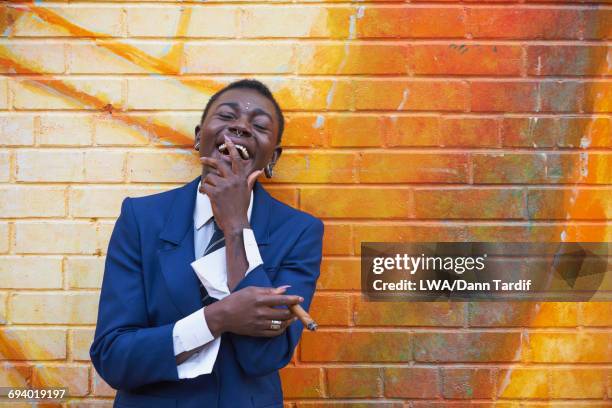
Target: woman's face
249,120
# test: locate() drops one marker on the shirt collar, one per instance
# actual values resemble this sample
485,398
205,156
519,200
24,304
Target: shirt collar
203,209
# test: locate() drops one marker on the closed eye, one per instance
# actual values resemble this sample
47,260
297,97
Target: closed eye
226,115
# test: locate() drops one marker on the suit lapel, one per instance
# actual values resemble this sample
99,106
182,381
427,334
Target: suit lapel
260,214
175,260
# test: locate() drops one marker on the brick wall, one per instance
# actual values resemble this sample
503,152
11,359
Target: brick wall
406,121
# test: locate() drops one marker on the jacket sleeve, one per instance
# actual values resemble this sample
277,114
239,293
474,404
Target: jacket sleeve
126,351
300,269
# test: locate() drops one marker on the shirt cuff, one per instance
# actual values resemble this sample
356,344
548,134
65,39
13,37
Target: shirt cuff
191,332
251,249
201,362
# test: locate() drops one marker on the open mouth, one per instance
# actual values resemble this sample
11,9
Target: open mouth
244,153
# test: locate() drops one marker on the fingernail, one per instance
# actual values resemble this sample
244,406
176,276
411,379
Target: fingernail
301,299
284,286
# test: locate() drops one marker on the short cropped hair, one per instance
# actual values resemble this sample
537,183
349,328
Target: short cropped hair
256,86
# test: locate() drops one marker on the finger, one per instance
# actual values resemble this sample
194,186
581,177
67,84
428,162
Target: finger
212,166
214,163
267,325
252,177
212,179
209,161
274,291
284,325
271,313
280,290
280,300
234,155
261,292
268,291
208,189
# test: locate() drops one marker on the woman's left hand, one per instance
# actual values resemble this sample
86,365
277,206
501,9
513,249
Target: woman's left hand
229,190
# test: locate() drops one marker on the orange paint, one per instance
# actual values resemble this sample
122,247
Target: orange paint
51,84
130,53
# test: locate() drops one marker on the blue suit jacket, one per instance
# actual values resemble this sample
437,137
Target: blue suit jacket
149,284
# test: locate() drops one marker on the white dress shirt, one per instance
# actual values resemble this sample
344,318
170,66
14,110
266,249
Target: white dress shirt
192,331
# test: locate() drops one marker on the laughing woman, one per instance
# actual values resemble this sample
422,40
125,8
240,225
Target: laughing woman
197,282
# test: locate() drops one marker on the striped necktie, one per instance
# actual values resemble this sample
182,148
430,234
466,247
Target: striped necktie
217,241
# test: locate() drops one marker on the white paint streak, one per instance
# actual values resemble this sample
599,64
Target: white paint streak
352,34
319,122
352,26
506,381
360,11
405,96
184,152
585,142
330,95
353,22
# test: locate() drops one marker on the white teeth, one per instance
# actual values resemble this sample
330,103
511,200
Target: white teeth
243,151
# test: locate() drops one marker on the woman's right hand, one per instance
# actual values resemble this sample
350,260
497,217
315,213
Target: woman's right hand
250,311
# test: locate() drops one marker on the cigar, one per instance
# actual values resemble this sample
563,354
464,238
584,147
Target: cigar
304,317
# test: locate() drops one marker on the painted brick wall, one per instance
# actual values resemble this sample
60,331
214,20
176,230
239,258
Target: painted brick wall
407,121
